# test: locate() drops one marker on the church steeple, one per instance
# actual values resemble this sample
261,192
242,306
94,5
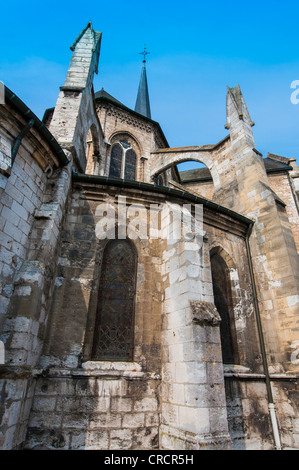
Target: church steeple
142,105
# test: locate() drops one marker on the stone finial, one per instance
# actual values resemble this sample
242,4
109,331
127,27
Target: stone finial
235,96
85,58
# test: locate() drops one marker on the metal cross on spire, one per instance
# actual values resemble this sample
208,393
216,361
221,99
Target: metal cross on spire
144,53
142,102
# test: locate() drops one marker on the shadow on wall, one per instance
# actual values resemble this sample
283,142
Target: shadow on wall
235,414
100,405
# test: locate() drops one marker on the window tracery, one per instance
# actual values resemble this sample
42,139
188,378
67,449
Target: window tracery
114,328
123,161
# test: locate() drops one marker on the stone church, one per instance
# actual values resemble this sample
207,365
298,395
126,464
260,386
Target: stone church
139,340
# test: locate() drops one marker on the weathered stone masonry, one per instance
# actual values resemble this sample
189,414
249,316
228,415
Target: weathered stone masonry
215,338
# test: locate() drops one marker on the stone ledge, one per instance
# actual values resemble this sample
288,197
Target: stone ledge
112,366
101,369
242,372
184,440
15,372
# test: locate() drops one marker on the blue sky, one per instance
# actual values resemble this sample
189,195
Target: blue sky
197,48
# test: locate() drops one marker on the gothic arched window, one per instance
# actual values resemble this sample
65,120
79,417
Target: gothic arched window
114,328
116,161
123,161
223,302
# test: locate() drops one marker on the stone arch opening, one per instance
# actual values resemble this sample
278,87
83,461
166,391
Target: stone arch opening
221,263
191,172
197,177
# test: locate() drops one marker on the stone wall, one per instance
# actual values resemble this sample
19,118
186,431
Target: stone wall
24,254
122,404
203,189
193,399
175,393
116,120
95,408
280,183
107,404
22,195
77,284
248,413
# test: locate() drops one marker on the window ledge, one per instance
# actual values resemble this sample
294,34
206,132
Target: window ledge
112,365
101,369
112,368
232,368
236,370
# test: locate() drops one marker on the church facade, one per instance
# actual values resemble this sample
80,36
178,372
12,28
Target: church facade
143,307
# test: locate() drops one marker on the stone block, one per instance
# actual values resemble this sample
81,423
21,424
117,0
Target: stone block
146,404
119,405
96,440
190,372
44,404
194,420
78,440
95,404
121,439
19,210
134,420
173,393
146,438
9,214
75,420
45,420
105,420
13,231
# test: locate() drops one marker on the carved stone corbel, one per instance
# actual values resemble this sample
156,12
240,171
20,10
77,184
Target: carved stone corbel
204,313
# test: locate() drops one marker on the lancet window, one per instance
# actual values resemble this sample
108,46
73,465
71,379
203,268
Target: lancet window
123,161
114,327
224,304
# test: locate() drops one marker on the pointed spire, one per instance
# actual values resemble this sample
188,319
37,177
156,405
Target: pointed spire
142,105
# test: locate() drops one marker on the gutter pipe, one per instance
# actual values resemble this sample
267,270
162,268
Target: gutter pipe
271,405
19,139
28,115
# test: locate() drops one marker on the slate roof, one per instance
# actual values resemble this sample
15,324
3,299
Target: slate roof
103,95
203,174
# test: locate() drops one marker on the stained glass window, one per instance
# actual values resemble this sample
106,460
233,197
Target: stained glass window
123,161
125,144
130,167
116,161
114,329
